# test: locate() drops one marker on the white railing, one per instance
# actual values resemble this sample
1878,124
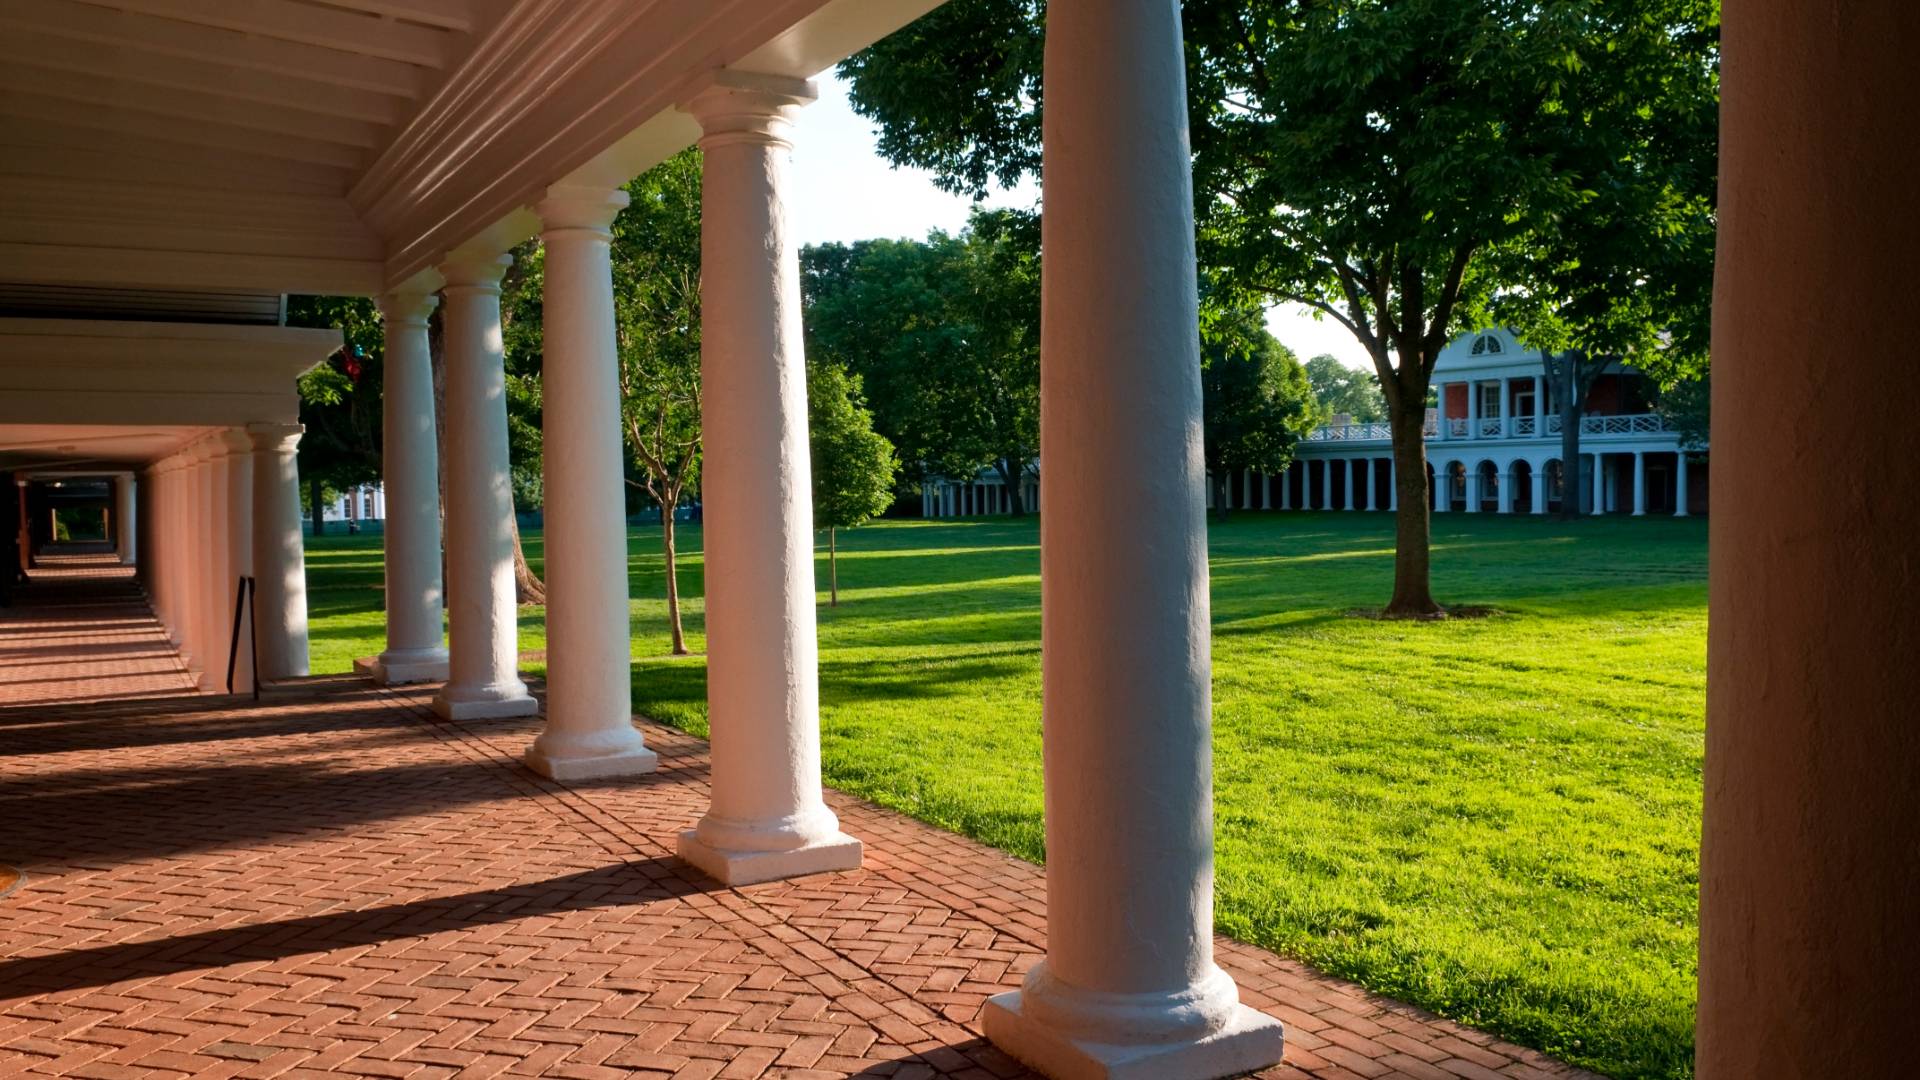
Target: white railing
1351,433
1518,427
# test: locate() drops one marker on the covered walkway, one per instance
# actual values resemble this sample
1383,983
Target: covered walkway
335,880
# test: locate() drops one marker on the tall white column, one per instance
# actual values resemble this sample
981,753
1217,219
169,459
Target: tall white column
204,540
1353,484
1473,490
1504,480
1266,491
1506,407
1639,483
483,665
1599,484
1539,406
1393,488
236,468
1442,487
1286,487
410,472
158,556
279,553
1129,986
216,557
1473,415
589,731
1680,484
1539,487
767,818
124,528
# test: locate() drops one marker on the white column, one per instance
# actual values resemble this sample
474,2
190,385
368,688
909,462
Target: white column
1473,418
410,470
1129,986
1539,486
1639,483
279,553
236,466
1680,484
216,557
767,818
1599,485
1246,490
1505,493
1442,487
1473,489
1286,487
380,501
1393,488
1539,406
1353,485
1266,491
203,538
1506,407
589,731
483,656
159,554
123,519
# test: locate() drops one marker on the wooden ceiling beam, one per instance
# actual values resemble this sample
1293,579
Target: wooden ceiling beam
191,105
306,24
156,128
38,49
208,44
457,15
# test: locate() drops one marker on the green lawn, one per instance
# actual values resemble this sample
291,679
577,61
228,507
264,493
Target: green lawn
1498,819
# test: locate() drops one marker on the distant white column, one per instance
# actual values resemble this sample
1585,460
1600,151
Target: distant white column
200,565
1540,405
237,447
1353,486
1539,487
1442,433
124,526
1473,421
483,655
279,553
410,537
1393,486
1129,986
1504,494
1286,486
589,731
1442,487
1506,408
1266,491
1639,483
1599,484
767,818
1246,490
1680,485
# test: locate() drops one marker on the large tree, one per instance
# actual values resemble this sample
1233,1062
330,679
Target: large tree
1360,157
853,465
1345,391
340,400
945,334
1256,403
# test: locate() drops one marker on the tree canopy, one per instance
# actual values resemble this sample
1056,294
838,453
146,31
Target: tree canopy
1343,391
1256,404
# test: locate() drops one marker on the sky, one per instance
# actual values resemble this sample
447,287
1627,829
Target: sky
843,190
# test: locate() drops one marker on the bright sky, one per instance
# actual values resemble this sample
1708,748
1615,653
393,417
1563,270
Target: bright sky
845,191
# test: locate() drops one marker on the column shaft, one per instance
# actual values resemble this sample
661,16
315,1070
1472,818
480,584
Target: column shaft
279,552
1680,484
1129,984
483,677
124,519
1808,868
410,475
767,818
1539,488
1639,483
589,730
237,476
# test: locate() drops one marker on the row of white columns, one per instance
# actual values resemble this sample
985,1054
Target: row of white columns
224,506
944,499
1129,986
1505,416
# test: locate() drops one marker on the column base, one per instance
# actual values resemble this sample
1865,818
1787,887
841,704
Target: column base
1250,1040
731,867
398,669
635,762
455,703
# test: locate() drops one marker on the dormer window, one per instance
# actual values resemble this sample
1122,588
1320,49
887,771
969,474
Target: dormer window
1484,344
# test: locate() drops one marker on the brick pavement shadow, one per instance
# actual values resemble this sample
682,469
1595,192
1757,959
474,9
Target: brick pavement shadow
110,721
642,882
974,1057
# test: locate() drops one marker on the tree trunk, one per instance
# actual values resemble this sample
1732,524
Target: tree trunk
673,577
527,589
1220,481
1010,482
315,490
1413,528
833,569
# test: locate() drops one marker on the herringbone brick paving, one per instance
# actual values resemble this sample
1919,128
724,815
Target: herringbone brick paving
332,881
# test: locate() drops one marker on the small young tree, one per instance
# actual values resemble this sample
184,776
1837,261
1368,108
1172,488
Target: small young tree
1256,404
853,465
656,287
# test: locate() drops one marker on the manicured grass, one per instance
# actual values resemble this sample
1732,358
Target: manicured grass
1498,819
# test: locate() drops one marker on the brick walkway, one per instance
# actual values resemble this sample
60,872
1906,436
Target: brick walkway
333,882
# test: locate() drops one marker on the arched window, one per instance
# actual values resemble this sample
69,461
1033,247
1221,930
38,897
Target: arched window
1484,344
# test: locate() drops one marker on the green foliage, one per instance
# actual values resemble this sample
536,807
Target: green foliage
522,321
340,401
945,335
853,465
1483,817
1688,407
1256,401
1341,390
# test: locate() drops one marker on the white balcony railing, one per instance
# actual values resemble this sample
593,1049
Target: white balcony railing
1494,428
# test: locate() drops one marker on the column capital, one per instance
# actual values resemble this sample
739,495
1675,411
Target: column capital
284,438
739,106
234,442
464,271
407,308
587,207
